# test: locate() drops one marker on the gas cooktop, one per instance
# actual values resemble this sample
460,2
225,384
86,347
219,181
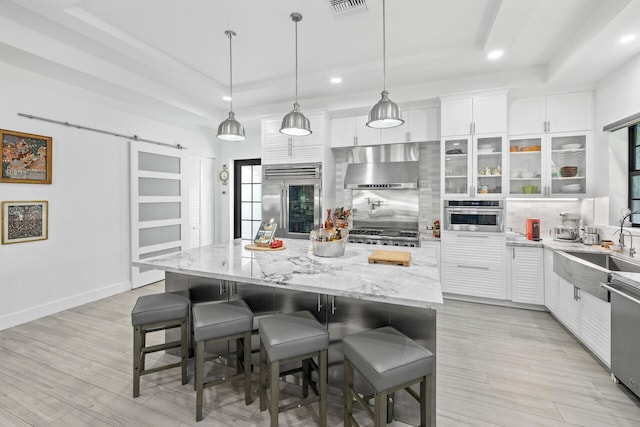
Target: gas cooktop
384,237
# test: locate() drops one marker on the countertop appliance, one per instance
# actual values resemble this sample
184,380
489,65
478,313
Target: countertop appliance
291,194
569,231
474,215
385,217
533,229
625,334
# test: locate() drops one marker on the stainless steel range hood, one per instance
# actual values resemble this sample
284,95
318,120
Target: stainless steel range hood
382,175
384,166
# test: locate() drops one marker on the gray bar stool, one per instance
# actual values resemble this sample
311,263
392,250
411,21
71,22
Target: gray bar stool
389,361
222,321
290,338
153,313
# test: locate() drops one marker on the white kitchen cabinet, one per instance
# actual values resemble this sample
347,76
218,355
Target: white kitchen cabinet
353,131
527,275
469,114
550,281
535,164
567,112
420,125
587,317
595,325
472,166
278,148
463,272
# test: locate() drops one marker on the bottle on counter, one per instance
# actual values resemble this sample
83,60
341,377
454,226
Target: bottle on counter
328,223
436,229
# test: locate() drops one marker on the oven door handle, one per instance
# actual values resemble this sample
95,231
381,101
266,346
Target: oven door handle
473,211
622,294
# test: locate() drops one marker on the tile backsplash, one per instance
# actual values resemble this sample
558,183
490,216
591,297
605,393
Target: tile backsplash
548,211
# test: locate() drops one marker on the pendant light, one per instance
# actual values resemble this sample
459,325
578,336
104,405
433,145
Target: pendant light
231,129
385,114
295,123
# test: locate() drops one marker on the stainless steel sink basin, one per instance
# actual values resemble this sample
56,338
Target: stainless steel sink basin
586,270
609,261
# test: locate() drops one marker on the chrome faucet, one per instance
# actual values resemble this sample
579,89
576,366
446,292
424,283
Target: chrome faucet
632,250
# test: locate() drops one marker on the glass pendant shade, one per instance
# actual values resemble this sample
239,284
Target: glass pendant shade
385,114
295,123
231,129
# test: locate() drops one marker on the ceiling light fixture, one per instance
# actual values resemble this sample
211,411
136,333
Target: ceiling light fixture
336,80
385,114
628,38
231,129
295,123
495,54
226,98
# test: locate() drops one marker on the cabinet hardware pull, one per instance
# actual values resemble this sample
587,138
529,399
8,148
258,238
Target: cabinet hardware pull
355,140
221,287
513,253
473,267
473,235
319,303
622,294
333,304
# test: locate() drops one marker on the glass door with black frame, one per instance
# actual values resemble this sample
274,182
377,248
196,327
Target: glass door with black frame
302,207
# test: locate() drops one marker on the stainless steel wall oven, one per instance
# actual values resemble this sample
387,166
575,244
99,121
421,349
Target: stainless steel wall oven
474,215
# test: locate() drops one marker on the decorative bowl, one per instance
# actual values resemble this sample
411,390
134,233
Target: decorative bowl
329,249
568,171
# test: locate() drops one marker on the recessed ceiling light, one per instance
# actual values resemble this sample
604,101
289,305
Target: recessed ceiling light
628,38
226,98
495,54
336,80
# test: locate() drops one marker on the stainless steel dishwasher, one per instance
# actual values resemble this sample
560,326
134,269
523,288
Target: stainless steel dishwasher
625,334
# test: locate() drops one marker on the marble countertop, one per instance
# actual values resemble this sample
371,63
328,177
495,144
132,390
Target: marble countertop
295,267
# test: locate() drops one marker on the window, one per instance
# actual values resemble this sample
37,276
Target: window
247,198
634,172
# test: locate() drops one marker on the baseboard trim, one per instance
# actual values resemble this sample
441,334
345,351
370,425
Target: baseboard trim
33,313
491,301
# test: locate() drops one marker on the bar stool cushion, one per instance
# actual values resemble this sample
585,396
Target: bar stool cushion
294,334
386,357
221,319
159,308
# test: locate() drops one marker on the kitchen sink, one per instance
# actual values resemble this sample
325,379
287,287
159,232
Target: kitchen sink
586,270
609,261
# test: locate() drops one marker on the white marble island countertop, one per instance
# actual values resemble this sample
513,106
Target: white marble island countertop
417,285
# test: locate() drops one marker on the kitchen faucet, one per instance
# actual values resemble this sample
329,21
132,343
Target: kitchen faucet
632,250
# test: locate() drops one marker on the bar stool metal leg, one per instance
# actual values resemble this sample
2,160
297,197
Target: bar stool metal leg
137,359
199,379
322,362
348,386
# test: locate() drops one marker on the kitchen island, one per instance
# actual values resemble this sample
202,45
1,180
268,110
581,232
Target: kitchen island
345,293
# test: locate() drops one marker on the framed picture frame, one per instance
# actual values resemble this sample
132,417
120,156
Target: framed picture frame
25,221
26,158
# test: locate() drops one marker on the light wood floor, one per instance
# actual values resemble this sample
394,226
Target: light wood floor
496,366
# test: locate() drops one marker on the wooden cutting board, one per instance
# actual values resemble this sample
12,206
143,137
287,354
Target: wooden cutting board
390,257
263,248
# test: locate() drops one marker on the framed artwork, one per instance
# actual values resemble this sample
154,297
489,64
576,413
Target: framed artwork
25,221
26,158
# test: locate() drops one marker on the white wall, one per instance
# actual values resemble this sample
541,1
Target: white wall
617,97
87,254
228,152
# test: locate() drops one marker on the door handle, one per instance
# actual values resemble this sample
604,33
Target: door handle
333,304
622,294
282,208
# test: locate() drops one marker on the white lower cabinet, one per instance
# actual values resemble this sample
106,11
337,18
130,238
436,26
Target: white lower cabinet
472,264
550,281
526,275
585,315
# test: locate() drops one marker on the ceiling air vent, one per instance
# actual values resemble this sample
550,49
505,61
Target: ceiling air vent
344,6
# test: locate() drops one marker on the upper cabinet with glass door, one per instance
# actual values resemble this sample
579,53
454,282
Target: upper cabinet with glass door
549,165
473,130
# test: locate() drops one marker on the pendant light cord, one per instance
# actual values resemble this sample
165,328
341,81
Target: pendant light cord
230,71
296,22
384,48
